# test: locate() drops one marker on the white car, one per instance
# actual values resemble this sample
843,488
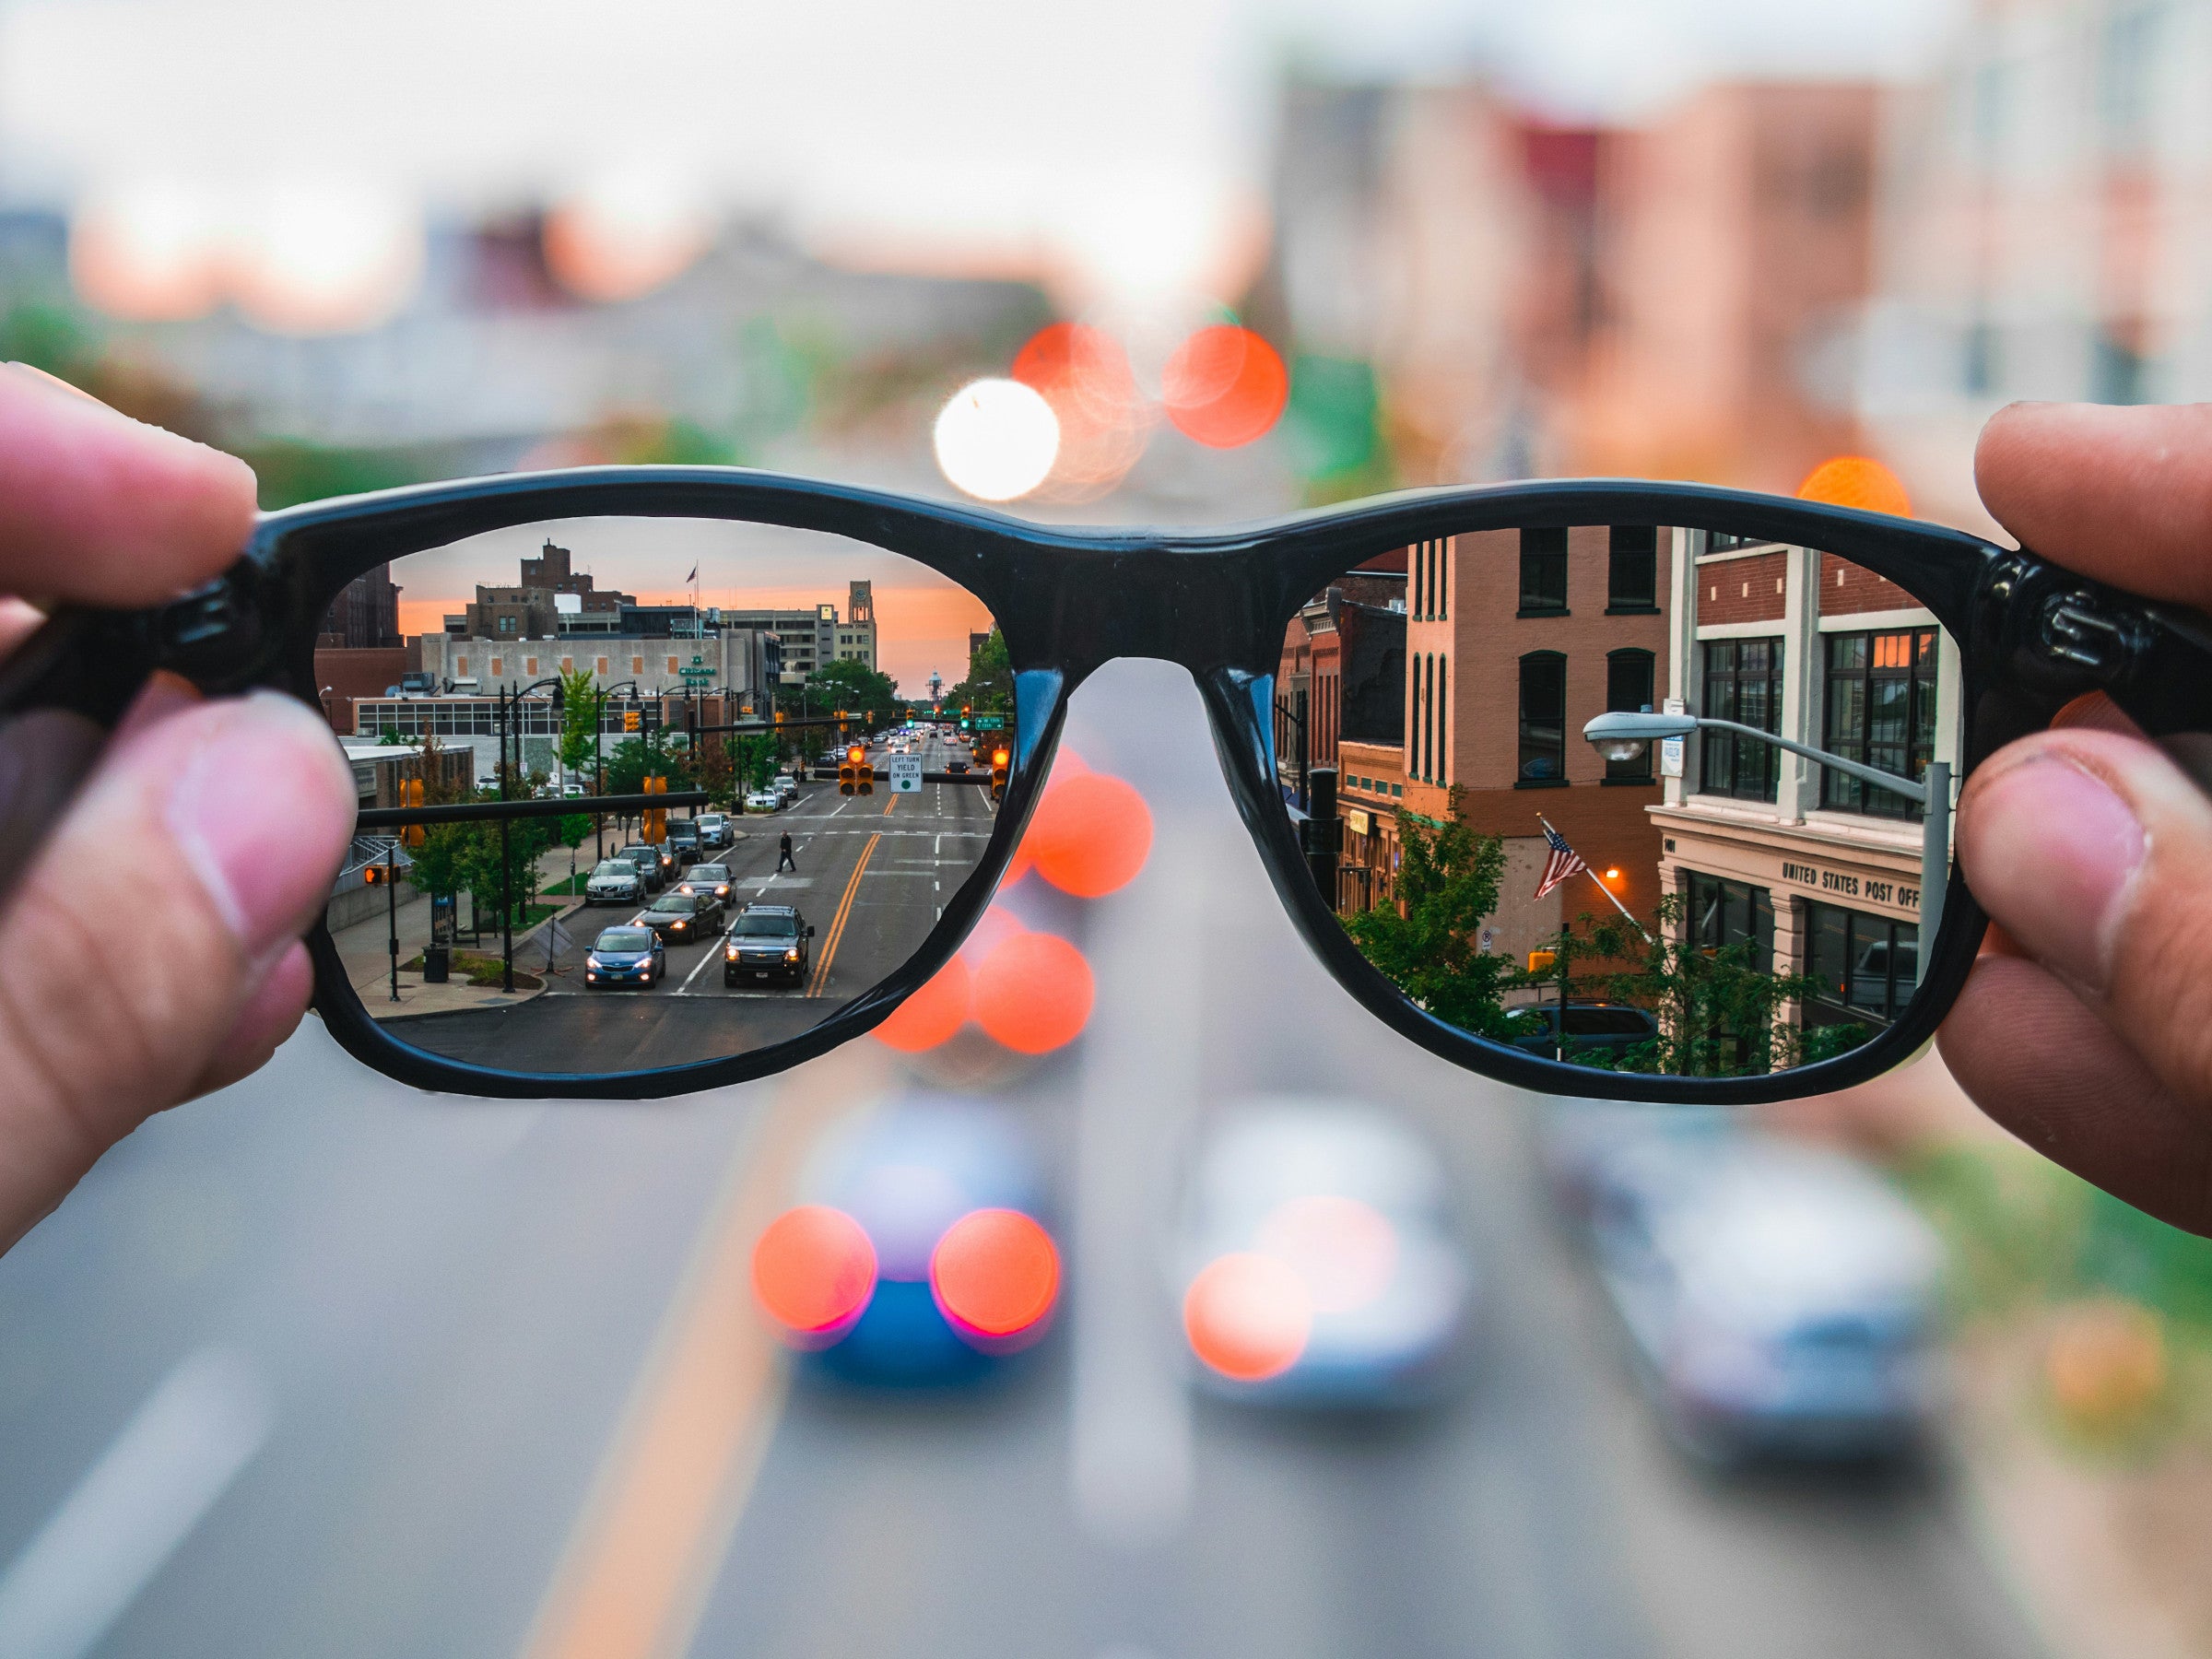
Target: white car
615,881
1779,1298
763,800
787,787
713,830
1318,1264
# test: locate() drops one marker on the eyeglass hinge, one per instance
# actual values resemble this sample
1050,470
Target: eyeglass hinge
213,634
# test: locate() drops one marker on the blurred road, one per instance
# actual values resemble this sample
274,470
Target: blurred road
323,1366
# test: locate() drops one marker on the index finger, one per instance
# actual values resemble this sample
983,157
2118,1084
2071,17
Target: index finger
2122,494
101,509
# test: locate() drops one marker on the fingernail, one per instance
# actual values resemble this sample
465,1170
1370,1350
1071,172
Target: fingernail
263,810
2051,851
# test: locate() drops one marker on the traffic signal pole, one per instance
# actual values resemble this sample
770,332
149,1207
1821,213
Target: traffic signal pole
392,907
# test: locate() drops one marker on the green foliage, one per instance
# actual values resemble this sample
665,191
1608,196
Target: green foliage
1719,1009
391,738
581,703
1448,879
49,336
989,686
754,760
854,687
571,829
1333,426
290,473
648,754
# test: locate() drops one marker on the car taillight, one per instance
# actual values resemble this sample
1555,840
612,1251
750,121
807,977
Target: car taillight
813,1270
1248,1316
995,1276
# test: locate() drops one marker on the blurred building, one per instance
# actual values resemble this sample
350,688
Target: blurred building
1821,871
2040,229
1678,300
365,615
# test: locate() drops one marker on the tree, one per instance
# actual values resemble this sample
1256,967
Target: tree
1426,943
649,754
854,687
989,687
580,702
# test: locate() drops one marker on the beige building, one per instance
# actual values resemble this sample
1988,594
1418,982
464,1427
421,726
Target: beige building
1817,869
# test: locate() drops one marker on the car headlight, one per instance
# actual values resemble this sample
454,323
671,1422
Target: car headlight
593,963
792,955
681,926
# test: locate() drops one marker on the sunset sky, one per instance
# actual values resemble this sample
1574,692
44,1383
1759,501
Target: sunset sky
922,620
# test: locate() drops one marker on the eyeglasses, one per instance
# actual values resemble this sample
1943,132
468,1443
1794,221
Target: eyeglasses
1624,790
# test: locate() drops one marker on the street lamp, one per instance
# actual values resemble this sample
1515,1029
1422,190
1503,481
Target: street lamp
1622,736
509,702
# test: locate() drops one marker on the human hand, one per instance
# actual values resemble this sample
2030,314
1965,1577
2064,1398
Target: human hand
2086,1026
118,1000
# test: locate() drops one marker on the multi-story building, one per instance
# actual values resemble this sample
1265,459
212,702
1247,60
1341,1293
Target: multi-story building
365,615
2040,229
1820,871
1508,642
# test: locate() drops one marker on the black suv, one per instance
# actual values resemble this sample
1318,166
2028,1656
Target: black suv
648,860
766,942
683,840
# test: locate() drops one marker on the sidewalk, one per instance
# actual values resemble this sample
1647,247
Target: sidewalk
365,949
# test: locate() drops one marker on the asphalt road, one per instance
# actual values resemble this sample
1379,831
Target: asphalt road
874,875
319,1366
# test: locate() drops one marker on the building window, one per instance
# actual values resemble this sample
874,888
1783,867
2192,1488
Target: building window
1731,913
601,666
1443,710
461,665
1628,686
1866,965
530,666
673,667
1881,711
637,665
1720,541
1543,718
506,625
1743,683
499,667
1632,573
1542,571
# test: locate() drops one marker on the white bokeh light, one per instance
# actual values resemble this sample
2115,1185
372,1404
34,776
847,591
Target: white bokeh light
996,440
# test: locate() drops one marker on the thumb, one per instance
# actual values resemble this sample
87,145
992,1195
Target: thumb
2091,850
118,998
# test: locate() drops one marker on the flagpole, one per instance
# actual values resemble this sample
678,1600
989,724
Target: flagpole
1602,888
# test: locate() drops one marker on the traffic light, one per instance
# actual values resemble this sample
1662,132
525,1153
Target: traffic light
373,874
855,775
655,829
999,760
410,795
966,710
630,719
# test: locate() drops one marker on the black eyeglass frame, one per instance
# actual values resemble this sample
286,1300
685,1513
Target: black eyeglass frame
2031,637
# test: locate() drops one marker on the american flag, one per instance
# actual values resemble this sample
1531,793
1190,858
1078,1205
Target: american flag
1565,861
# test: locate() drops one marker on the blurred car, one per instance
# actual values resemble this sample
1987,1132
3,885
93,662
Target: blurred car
625,956
683,840
713,830
787,787
763,800
615,881
649,864
713,879
955,766
1778,1298
1317,1261
1578,1138
766,942
681,918
1602,1028
921,1255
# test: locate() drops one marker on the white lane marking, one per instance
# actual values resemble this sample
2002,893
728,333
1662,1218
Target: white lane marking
714,953
178,1455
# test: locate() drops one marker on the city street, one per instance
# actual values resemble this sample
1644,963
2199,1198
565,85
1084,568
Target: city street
322,1365
874,874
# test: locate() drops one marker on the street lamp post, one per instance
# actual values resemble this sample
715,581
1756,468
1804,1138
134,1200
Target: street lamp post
509,703
1622,736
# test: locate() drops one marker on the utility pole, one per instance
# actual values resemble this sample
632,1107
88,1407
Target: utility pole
506,861
392,907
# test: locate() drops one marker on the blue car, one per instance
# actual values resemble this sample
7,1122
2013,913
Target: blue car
921,1260
626,956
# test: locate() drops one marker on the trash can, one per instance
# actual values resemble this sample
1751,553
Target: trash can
434,962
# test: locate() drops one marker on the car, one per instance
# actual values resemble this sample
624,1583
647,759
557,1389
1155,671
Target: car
649,864
787,786
763,800
681,918
713,830
921,1254
683,840
1780,1299
1601,1030
713,879
615,881
626,956
766,942
955,766
1318,1264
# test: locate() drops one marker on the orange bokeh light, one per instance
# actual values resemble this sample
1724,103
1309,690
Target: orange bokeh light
932,1014
995,1272
1225,386
1248,1316
1090,835
1033,993
1858,481
1083,374
814,1269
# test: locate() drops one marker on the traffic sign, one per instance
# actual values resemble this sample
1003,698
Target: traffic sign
906,775
990,722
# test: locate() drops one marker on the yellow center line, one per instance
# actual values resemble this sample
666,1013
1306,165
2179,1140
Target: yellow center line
634,1576
889,805
837,927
